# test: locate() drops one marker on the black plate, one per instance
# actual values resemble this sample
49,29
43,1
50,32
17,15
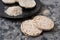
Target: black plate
26,12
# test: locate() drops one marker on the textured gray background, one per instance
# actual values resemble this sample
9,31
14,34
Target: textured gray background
10,30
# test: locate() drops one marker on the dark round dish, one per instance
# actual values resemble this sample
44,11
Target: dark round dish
26,12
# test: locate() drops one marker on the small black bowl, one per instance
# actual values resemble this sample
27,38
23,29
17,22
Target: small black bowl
26,12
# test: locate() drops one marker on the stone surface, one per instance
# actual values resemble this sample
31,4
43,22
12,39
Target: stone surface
46,12
11,29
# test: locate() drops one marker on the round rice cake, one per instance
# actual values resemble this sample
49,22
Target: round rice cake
14,11
28,27
44,22
27,3
9,1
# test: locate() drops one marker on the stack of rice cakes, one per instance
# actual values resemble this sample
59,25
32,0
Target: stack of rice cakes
26,8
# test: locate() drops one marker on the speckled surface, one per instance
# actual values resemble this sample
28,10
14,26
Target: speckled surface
10,30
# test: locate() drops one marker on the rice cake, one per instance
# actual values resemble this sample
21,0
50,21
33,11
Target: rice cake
8,1
14,11
27,3
44,22
28,27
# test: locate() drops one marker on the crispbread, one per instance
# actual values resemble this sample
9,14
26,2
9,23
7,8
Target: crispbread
9,1
14,11
28,27
27,3
43,22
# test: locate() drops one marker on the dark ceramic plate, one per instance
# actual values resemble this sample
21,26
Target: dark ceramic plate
26,12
